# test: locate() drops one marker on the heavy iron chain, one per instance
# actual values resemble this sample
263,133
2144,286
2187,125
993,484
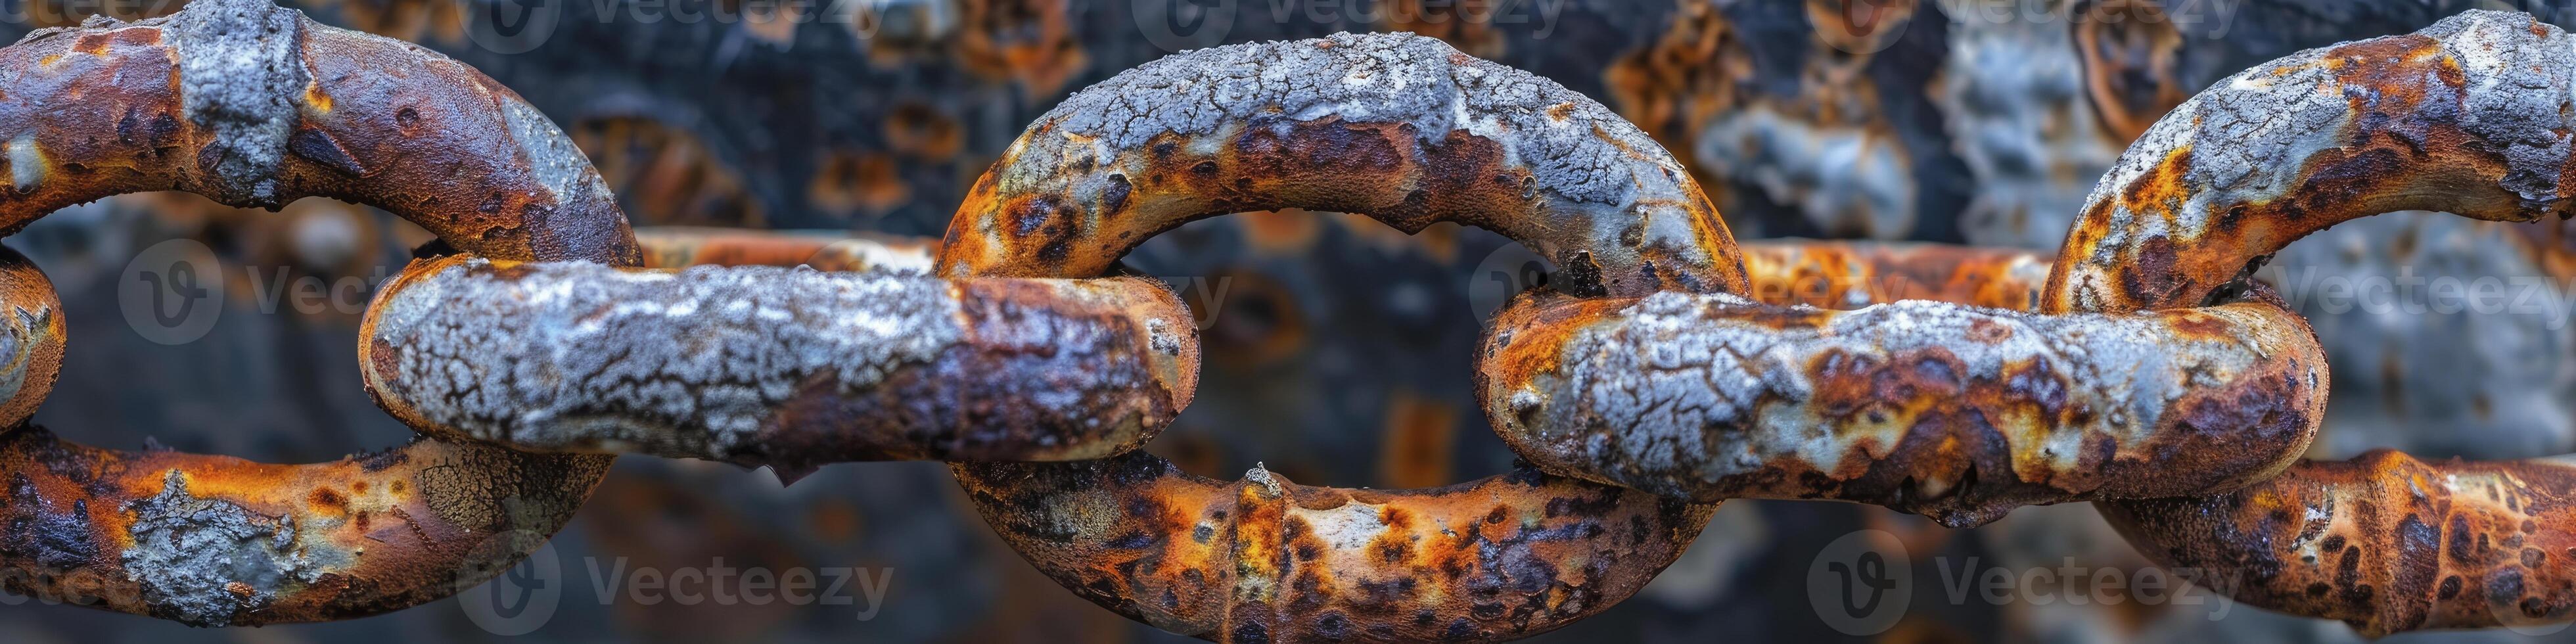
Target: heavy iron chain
1665,371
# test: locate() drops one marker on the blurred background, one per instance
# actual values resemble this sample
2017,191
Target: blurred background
1337,348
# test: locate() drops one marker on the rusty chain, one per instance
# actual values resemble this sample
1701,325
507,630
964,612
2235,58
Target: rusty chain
1665,369
1407,130
2470,116
253,105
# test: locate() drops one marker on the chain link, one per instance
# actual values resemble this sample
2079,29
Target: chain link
253,105
1666,369
2470,116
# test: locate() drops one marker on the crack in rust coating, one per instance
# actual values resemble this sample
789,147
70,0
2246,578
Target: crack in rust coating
2384,542
778,366
1412,132
2471,115
202,560
237,79
1263,560
1400,127
213,540
252,105
1956,412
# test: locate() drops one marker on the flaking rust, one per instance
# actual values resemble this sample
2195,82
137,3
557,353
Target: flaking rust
1407,130
253,105
1955,412
215,541
2471,115
790,367
1265,560
1401,127
2384,542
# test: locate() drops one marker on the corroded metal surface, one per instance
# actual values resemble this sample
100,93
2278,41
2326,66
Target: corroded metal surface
32,334
1344,123
2384,542
868,179
254,105
210,540
2468,116
1401,127
1844,275
1958,413
788,367
1262,559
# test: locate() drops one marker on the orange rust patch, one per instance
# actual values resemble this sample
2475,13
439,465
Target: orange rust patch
316,99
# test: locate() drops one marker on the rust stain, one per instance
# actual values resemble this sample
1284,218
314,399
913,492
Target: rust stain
210,540
820,367
2384,542
1955,412
1061,204
1262,559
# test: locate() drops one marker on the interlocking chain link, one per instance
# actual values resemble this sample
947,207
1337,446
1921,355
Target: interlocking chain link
1666,368
2473,116
1407,130
253,105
